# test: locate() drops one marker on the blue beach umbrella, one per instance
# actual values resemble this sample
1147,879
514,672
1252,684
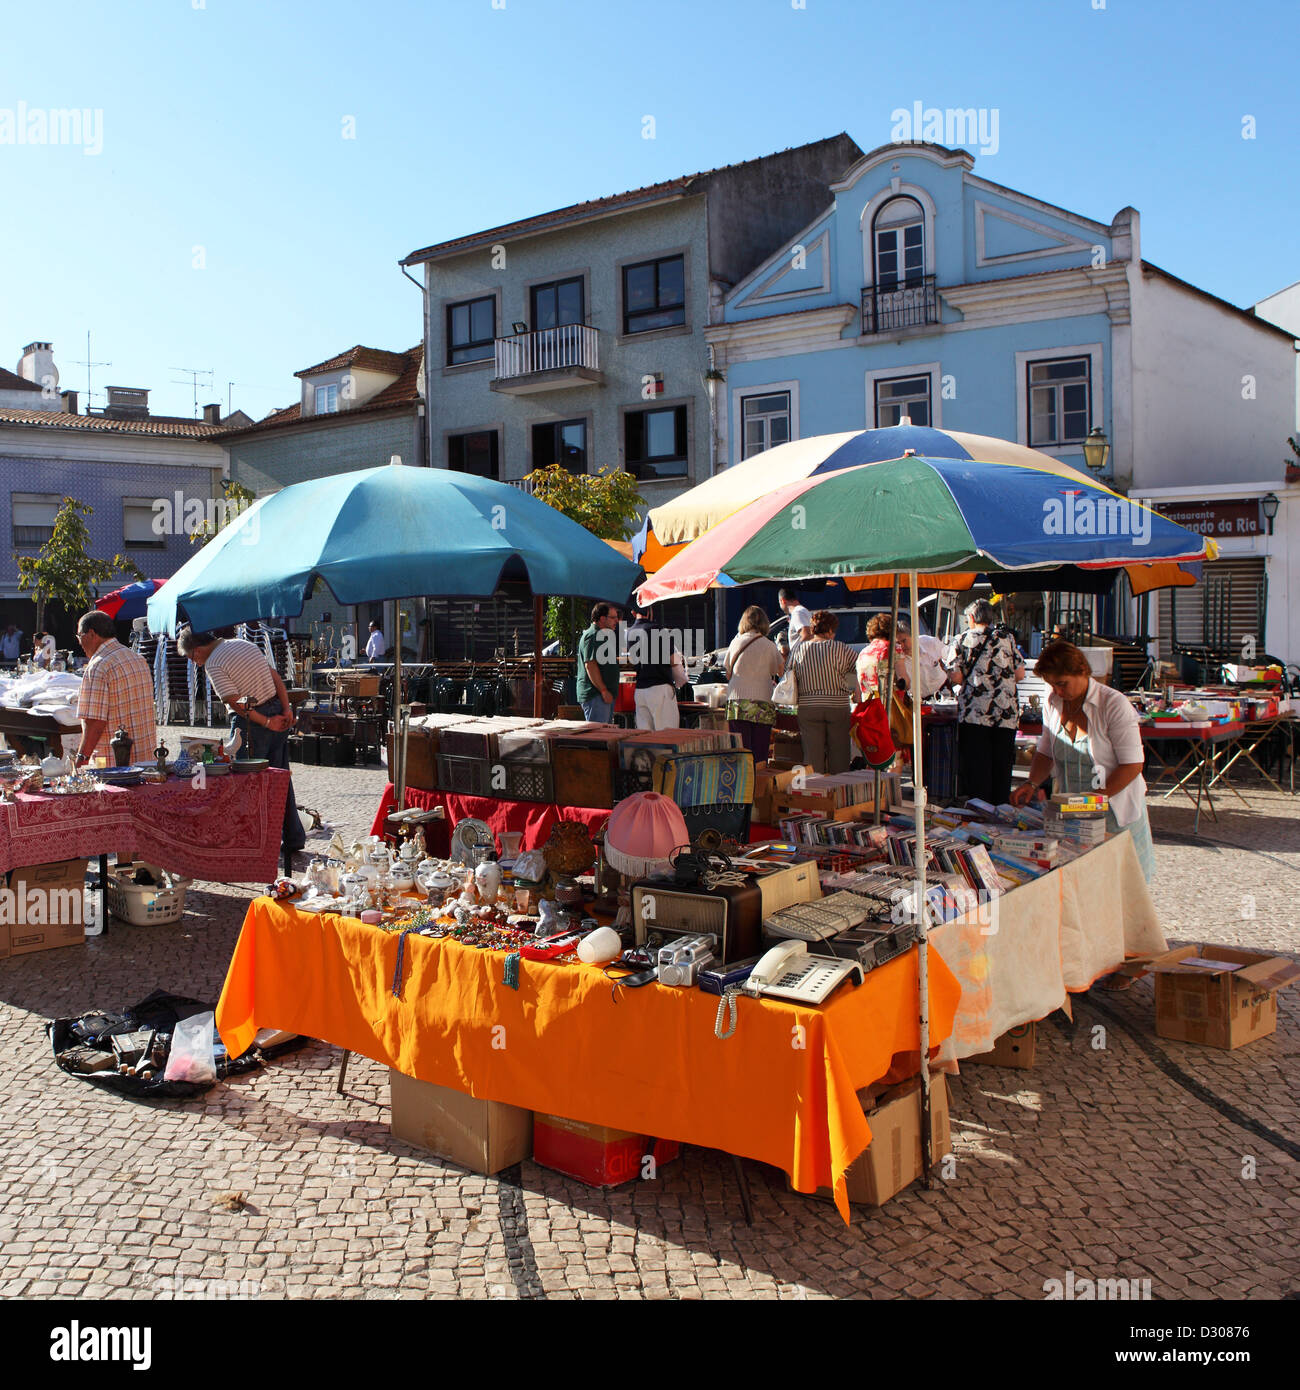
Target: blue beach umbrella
386,533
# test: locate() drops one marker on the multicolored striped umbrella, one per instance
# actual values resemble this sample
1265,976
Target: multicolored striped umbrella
129,602
671,527
928,515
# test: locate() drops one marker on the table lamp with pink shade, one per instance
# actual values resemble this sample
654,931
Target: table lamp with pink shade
643,831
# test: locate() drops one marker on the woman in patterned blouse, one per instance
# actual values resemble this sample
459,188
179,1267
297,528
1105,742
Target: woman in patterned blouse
986,666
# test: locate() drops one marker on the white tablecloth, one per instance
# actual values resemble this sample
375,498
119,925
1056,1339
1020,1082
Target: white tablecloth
1061,932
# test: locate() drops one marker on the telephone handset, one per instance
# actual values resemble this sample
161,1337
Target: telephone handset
787,971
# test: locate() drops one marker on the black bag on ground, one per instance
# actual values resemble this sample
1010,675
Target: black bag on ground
92,1033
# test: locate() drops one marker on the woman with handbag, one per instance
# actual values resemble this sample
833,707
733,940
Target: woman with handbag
754,665
824,677
986,667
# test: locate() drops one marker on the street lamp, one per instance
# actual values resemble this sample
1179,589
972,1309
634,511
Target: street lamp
1269,503
1096,449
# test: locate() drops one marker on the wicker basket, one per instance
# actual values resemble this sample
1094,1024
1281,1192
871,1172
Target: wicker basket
142,904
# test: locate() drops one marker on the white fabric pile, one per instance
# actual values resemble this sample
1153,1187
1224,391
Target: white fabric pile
50,693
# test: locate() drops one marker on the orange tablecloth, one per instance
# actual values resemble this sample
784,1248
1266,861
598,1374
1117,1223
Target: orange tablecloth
782,1090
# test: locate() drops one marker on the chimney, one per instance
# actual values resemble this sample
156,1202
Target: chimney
212,413
69,402
127,403
37,365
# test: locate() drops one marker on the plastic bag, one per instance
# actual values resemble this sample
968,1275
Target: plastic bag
191,1057
786,692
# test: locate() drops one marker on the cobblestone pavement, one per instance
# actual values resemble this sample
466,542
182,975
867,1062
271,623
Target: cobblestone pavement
1132,1161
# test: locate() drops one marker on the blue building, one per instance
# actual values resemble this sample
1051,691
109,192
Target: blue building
926,292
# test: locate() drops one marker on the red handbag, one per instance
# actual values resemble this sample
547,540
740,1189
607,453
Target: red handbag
871,732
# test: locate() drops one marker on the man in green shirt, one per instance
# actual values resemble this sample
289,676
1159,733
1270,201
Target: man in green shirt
598,664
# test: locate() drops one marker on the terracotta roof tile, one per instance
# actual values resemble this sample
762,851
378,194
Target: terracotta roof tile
11,381
405,391
364,358
172,426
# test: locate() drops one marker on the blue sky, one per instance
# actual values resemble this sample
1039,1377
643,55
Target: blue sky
223,127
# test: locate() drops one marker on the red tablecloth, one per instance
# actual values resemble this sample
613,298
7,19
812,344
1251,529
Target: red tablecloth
225,832
534,819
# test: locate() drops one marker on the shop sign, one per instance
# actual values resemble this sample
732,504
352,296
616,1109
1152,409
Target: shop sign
1218,519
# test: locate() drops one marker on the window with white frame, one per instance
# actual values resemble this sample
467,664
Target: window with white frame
764,422
326,399
1060,400
902,397
900,243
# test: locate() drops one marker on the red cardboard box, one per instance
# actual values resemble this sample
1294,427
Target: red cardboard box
596,1154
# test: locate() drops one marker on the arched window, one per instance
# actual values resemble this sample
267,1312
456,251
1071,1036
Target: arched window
899,240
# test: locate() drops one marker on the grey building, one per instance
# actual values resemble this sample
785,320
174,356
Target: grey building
577,337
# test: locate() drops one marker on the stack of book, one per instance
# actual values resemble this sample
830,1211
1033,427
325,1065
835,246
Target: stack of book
1077,817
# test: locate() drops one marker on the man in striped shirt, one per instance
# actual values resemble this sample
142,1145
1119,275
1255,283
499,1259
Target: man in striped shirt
251,688
116,691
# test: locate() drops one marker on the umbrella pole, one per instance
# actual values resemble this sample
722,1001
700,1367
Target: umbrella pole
888,696
539,638
922,950
399,724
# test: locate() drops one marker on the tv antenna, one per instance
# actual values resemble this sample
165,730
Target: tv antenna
88,364
194,373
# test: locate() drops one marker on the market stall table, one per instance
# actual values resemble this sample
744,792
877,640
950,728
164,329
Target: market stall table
782,1090
227,831
1204,741
533,819
1048,938
1255,732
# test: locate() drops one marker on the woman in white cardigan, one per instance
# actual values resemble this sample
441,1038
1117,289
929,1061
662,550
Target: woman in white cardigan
1091,742
754,665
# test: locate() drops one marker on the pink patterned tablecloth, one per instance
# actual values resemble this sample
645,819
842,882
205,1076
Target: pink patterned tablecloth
226,832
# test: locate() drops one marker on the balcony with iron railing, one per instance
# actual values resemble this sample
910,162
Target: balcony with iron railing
548,359
910,304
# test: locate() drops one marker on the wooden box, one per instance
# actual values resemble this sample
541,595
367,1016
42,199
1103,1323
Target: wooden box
583,767
421,759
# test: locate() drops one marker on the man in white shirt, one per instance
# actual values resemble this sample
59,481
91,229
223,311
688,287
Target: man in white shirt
375,646
800,618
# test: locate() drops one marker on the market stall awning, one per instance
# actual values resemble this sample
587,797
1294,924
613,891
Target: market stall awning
387,533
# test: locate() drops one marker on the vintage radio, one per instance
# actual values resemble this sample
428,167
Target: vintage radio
872,944
731,911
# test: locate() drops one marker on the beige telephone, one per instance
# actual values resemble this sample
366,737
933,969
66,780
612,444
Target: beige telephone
787,971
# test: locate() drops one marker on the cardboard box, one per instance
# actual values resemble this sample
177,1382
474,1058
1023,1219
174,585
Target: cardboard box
481,1135
1015,1048
46,907
596,1154
1219,996
893,1158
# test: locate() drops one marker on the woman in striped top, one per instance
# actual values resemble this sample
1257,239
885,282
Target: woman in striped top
825,675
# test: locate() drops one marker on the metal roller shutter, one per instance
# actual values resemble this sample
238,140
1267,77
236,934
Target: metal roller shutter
1231,596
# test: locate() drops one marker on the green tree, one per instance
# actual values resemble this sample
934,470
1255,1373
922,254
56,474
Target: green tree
608,504
234,500
64,572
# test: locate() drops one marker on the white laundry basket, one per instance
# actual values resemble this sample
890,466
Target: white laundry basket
144,904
